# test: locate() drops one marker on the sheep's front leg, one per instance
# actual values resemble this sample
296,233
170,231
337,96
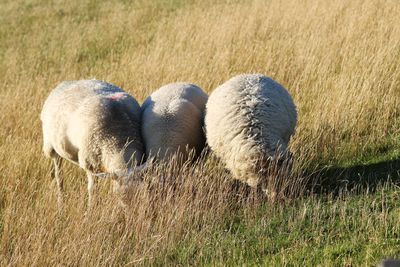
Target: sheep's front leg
91,189
60,184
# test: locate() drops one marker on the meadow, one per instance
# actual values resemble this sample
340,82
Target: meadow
340,60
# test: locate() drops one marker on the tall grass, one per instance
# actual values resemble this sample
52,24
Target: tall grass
339,60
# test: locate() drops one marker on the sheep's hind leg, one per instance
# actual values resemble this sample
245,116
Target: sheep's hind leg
91,189
60,183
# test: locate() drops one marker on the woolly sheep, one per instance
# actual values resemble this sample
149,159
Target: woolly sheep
93,124
172,121
172,128
249,121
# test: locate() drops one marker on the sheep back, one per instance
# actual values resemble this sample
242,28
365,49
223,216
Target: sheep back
249,118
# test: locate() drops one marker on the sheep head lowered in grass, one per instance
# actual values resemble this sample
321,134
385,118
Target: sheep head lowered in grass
249,121
93,124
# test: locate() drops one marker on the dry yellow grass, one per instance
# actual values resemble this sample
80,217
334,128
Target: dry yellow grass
340,61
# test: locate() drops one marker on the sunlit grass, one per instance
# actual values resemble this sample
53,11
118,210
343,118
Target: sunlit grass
339,60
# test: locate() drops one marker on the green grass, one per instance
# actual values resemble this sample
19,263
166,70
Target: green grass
360,229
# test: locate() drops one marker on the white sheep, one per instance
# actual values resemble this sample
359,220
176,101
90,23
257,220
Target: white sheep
249,121
172,122
172,129
93,124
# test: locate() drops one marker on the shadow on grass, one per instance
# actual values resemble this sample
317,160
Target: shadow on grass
335,180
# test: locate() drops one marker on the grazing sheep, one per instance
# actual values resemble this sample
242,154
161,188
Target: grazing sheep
93,124
172,129
172,121
249,121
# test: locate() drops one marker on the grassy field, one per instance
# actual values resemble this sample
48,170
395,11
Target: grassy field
340,60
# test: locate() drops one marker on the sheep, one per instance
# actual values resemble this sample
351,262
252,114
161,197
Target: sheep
93,124
172,122
249,121
172,130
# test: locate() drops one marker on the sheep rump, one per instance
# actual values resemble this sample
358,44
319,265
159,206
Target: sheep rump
249,120
93,124
172,121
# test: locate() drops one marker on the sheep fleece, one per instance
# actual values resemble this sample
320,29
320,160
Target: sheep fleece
89,122
172,119
248,118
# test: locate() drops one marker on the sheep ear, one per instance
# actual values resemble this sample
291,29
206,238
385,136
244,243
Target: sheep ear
104,175
135,170
142,167
120,176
